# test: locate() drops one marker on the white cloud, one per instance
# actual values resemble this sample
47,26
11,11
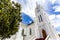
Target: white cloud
51,17
58,16
41,2
55,19
57,2
52,1
57,9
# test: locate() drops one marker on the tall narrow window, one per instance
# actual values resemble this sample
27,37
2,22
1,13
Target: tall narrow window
30,32
22,32
40,18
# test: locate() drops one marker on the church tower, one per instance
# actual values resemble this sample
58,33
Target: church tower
44,29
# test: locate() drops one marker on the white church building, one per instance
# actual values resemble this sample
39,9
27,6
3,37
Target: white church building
40,28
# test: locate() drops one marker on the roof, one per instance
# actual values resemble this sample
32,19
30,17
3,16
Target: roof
26,19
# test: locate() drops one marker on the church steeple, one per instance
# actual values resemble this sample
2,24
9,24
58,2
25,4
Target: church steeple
44,27
37,7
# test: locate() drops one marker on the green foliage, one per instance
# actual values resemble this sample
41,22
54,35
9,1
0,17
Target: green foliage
9,18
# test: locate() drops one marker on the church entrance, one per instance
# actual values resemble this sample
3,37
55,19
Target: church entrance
44,34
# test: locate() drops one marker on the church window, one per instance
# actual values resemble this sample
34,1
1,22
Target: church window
40,18
22,32
30,31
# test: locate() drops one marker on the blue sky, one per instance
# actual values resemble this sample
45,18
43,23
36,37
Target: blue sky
51,6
